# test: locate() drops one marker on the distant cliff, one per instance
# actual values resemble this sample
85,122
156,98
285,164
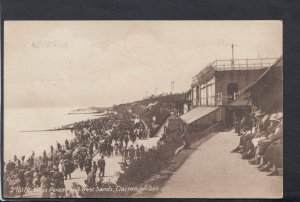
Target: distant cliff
159,107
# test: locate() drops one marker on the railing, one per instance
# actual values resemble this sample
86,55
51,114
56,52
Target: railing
242,64
236,64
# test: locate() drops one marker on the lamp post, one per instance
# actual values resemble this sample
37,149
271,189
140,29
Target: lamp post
232,58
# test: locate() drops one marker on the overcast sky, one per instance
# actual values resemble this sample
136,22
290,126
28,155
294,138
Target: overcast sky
101,63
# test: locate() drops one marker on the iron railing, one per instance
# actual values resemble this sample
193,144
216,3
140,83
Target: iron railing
236,64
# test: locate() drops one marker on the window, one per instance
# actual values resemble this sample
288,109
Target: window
194,96
213,94
203,95
209,95
197,95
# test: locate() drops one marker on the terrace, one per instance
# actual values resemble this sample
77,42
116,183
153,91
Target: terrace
230,65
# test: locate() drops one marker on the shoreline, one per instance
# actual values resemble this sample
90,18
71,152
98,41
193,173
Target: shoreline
35,137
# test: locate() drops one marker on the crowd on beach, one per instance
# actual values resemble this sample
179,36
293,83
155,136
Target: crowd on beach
261,140
105,136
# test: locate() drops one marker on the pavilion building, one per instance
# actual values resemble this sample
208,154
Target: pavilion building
215,87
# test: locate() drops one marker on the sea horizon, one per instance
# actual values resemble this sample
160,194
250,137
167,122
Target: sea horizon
40,118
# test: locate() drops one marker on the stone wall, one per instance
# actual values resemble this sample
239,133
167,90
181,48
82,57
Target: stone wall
241,77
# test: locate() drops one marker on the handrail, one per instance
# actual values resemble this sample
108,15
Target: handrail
259,59
236,64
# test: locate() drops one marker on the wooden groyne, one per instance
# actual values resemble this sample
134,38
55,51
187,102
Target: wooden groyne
45,130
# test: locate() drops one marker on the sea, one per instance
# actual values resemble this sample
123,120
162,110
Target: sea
20,143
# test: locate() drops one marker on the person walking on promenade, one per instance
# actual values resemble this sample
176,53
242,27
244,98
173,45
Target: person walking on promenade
109,149
122,152
126,140
133,138
87,165
91,151
144,134
116,148
131,153
101,165
36,179
67,144
126,153
81,161
51,149
142,150
29,178
58,145
94,167
137,151
91,179
100,147
45,185
121,142
23,161
104,147
58,183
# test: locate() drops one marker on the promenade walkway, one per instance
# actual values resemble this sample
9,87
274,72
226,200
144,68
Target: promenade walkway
213,172
111,170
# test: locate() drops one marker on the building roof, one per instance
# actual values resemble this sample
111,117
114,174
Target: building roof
268,100
278,62
196,114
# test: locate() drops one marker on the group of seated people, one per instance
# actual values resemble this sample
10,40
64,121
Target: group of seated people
261,141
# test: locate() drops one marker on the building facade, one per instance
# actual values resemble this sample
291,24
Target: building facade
220,81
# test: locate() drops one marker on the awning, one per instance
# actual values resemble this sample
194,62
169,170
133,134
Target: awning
196,114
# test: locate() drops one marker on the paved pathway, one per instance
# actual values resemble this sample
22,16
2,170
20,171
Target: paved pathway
111,170
213,172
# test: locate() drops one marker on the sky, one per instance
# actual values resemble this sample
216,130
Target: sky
101,63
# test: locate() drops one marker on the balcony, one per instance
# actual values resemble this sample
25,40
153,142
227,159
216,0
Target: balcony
227,65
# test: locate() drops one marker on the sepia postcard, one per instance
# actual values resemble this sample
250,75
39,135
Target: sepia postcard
142,109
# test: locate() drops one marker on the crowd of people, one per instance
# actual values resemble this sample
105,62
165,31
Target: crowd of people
106,136
261,140
260,143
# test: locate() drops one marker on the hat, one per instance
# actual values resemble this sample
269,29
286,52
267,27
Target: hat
279,115
273,117
265,118
258,113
